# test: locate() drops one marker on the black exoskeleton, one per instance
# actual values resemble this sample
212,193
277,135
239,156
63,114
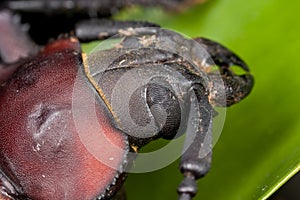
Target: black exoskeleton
171,94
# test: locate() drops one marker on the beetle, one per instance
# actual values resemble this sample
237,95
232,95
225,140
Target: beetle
47,135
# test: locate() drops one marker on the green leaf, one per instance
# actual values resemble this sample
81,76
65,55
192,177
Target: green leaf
259,149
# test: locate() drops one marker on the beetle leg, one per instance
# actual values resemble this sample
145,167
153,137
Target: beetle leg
14,41
96,29
120,195
7,190
15,45
236,86
221,56
195,161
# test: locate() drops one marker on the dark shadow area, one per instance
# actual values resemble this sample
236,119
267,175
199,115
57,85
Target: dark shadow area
289,191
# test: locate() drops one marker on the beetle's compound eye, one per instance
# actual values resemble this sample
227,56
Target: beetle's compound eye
165,108
155,104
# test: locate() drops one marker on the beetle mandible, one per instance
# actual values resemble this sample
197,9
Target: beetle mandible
42,156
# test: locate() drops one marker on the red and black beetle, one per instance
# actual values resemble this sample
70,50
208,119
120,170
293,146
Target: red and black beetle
42,153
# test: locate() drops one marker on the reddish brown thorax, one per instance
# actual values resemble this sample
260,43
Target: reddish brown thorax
41,152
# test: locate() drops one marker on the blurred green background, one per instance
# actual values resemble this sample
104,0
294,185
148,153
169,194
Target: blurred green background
259,149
